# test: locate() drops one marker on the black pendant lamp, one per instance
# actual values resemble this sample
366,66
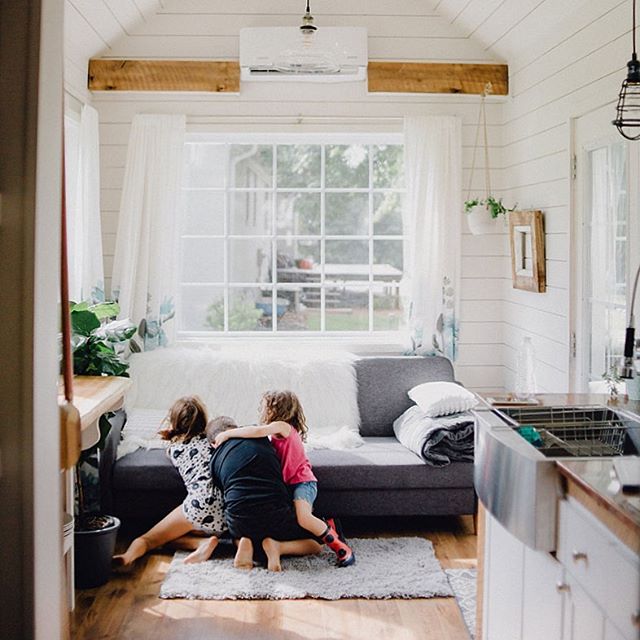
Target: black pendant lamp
628,111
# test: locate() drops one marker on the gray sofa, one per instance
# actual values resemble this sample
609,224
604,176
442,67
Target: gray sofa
380,478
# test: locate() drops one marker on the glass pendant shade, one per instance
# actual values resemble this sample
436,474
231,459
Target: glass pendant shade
308,56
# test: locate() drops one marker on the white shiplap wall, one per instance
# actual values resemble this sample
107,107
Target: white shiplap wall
566,59
90,26
407,30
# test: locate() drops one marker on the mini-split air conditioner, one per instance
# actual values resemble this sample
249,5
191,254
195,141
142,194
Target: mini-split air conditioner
328,54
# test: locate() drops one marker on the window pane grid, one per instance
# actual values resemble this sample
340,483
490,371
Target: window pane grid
343,293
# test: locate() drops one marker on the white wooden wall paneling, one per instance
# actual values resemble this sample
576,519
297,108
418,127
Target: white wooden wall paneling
227,47
229,24
292,7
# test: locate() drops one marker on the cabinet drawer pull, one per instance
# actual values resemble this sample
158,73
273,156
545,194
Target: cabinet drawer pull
578,555
635,619
562,587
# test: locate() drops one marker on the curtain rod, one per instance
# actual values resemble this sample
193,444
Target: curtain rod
295,119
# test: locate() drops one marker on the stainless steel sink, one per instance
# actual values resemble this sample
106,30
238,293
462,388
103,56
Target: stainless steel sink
515,472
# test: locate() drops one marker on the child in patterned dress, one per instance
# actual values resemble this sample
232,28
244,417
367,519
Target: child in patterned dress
201,511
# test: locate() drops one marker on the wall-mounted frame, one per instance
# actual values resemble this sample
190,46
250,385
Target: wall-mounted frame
526,236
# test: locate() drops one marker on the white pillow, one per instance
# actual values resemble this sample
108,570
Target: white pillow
442,398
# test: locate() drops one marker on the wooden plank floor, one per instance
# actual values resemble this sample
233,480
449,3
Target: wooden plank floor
128,606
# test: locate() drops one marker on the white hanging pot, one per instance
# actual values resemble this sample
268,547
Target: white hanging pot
480,221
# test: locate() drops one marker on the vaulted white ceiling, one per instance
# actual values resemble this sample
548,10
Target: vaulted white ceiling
465,30
521,30
398,29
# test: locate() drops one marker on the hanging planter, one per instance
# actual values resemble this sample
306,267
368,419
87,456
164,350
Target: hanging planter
483,216
483,213
479,220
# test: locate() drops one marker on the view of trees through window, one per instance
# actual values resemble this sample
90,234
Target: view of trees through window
292,236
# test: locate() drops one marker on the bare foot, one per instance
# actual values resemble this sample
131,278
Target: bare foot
203,552
136,550
272,549
244,555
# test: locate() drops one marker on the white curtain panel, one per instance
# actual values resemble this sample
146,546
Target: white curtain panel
432,225
84,234
145,261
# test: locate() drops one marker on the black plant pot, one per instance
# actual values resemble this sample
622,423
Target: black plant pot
93,551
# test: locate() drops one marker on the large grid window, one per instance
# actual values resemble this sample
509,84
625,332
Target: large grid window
295,234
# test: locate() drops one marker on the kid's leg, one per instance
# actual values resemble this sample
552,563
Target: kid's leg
325,532
306,519
274,549
169,528
244,554
203,551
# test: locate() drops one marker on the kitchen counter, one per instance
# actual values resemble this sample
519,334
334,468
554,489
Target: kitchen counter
559,543
593,483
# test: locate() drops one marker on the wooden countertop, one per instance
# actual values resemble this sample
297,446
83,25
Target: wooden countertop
95,395
92,396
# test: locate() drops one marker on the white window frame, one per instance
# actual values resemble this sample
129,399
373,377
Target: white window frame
370,339
588,378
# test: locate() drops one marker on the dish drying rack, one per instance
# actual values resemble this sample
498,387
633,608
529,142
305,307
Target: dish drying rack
574,431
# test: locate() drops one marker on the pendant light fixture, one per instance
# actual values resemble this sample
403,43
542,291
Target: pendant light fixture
308,56
628,111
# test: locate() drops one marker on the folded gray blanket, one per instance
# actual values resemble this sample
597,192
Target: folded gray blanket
439,441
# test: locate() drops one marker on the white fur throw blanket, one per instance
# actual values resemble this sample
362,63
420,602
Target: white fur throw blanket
231,382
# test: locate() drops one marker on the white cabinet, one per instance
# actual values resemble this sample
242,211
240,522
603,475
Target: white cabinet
607,570
520,586
542,597
583,619
610,632
590,592
504,565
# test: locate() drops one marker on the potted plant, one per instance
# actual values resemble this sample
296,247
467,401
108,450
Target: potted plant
483,214
97,345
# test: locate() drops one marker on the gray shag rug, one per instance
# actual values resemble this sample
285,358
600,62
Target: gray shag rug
385,568
463,583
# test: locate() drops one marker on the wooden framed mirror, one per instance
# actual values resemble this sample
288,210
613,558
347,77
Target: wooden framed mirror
526,237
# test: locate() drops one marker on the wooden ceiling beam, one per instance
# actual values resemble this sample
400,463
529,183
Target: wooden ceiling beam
216,76
437,77
220,76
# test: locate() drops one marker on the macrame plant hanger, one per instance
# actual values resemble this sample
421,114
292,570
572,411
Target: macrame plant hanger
482,121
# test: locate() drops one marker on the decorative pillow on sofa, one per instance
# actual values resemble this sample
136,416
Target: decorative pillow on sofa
442,398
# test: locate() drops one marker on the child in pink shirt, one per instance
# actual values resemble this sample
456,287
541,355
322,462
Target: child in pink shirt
284,422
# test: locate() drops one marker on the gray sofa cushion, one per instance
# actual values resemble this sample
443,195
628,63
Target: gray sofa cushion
383,383
381,463
147,471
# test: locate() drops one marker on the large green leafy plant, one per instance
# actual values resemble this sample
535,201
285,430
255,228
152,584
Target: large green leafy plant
97,344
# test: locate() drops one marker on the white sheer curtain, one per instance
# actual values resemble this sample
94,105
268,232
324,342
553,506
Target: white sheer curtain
82,179
432,221
145,261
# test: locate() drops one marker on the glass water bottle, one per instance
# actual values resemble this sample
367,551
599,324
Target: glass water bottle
526,371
